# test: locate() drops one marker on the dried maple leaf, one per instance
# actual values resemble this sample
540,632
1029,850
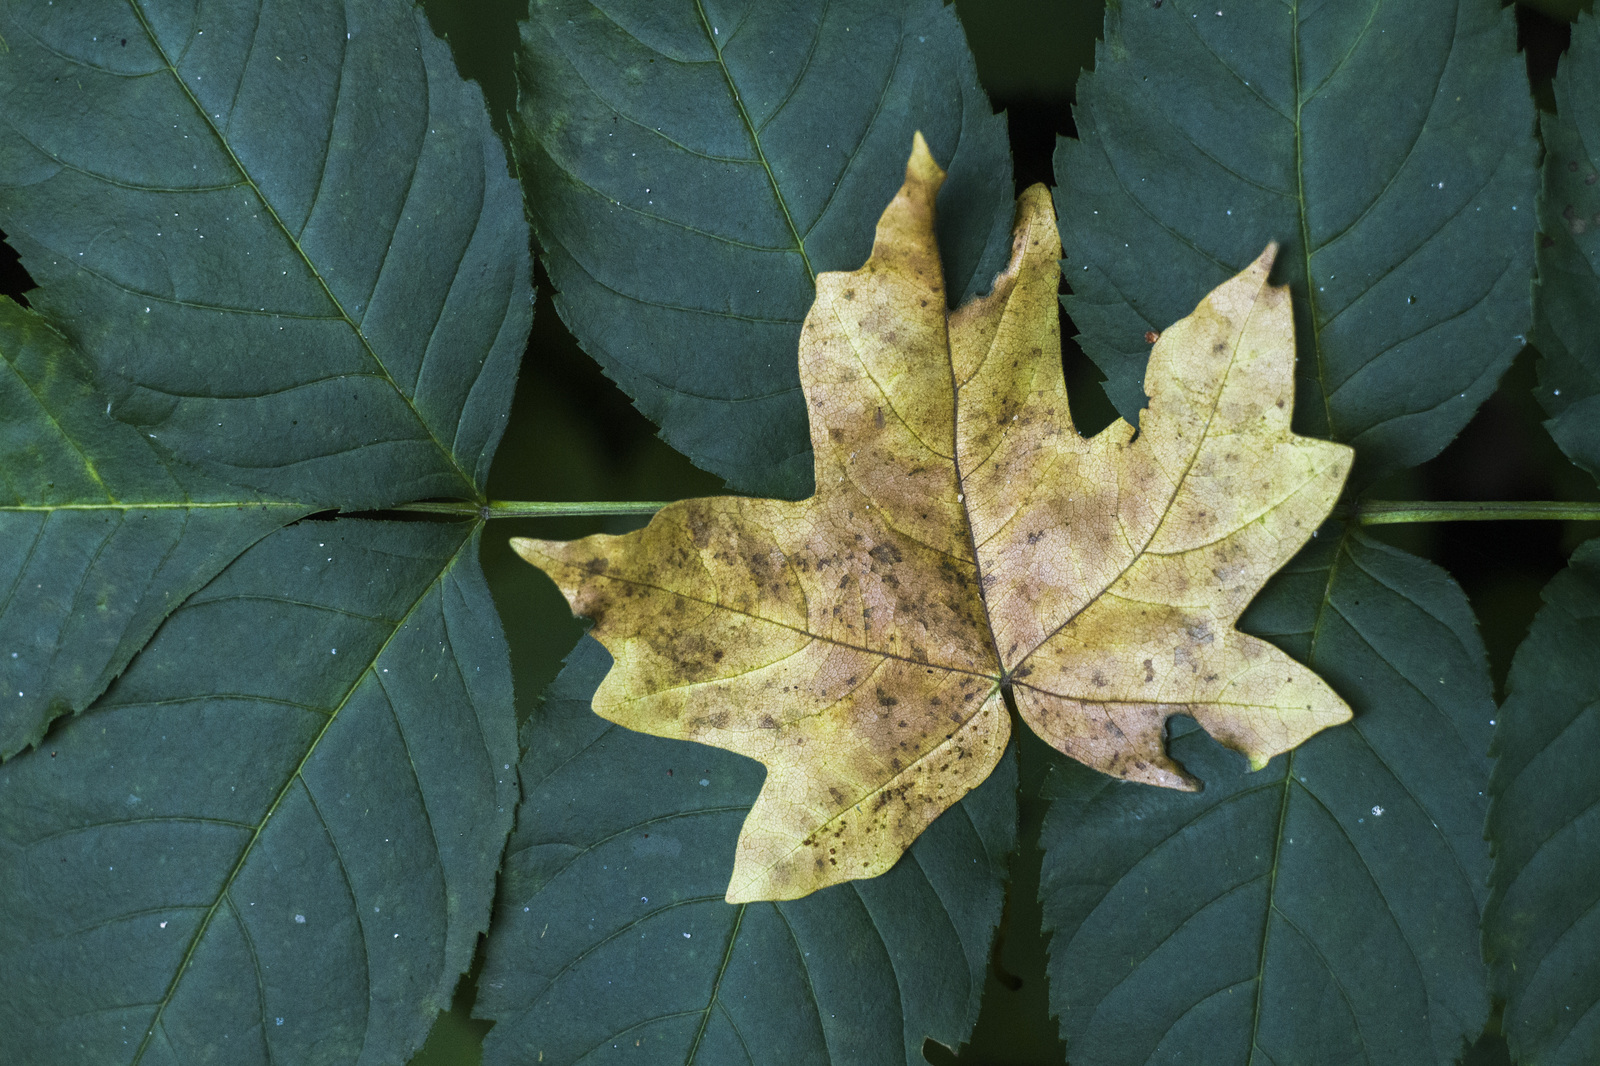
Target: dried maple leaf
965,540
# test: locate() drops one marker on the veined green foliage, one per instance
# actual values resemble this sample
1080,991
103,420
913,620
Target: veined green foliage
691,167
252,219
1325,905
1541,932
1388,146
274,838
101,534
259,754
282,268
1565,330
611,927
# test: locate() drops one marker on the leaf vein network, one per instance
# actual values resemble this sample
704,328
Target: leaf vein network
1344,994
755,139
355,907
450,459
272,808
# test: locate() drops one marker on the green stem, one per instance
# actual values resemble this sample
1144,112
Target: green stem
1362,512
537,508
1389,512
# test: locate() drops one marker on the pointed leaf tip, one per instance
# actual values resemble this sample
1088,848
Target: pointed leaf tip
921,166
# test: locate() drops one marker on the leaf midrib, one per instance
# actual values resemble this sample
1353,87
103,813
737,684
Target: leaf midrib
238,867
272,213
51,508
755,140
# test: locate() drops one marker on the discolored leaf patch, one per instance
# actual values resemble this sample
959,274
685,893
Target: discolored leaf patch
964,540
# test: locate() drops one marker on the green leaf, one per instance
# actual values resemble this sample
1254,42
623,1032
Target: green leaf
100,535
274,838
611,930
1324,909
691,166
1387,146
1569,253
1542,925
287,231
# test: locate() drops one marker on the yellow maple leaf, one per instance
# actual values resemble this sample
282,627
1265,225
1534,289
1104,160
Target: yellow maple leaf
965,541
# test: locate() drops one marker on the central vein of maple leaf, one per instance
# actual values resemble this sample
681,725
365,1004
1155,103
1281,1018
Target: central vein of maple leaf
964,539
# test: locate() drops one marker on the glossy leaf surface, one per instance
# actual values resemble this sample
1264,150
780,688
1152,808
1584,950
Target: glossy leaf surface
1542,928
612,942
100,534
274,838
287,233
1566,330
1323,909
692,166
1388,147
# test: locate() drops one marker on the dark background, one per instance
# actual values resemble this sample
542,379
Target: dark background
574,436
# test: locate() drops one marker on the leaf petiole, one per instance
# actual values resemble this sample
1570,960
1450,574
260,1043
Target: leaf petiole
1363,512
1390,512
535,508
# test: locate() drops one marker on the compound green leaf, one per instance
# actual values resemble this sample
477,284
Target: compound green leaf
1324,909
286,231
1387,145
612,942
1542,925
692,165
100,535
1567,298
274,838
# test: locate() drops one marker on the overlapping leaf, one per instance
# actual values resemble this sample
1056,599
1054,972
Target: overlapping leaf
284,245
1542,926
287,230
964,538
1565,329
1540,933
1324,909
611,939
1408,257
691,167
1388,146
100,535
274,838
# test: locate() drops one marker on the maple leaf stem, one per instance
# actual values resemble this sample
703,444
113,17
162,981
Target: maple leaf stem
1389,512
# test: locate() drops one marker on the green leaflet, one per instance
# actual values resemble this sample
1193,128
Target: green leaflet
691,165
1323,909
1388,146
611,928
274,838
282,268
1540,931
285,232
1542,925
1565,330
100,535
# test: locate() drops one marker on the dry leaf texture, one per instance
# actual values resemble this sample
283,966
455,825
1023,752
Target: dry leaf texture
965,540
